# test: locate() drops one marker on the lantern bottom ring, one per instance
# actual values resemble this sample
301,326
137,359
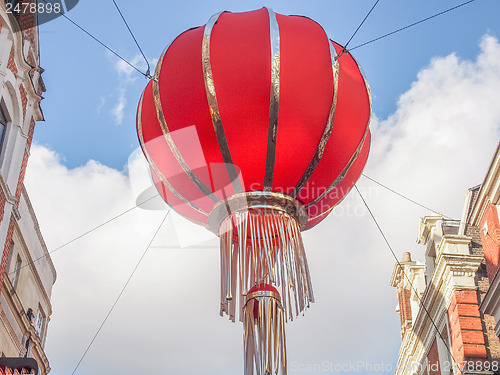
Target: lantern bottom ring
257,199
263,293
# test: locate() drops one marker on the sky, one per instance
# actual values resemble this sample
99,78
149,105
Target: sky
435,126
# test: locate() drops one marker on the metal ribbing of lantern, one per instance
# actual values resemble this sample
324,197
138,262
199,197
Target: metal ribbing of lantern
263,246
264,332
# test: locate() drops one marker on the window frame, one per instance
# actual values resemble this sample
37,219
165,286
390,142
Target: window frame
16,272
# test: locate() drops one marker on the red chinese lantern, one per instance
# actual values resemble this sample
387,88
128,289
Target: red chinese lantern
255,126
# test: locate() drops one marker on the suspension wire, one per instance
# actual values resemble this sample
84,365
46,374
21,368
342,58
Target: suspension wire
120,294
411,25
148,72
104,45
361,24
83,234
405,197
406,277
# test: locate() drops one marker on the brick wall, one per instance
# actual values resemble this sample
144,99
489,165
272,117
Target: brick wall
491,239
466,328
6,249
3,200
11,63
24,99
404,304
27,20
433,360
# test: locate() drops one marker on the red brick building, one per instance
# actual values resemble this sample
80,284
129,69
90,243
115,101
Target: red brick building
449,304
485,215
26,270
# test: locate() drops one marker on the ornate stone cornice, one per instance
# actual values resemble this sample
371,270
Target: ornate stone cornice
426,225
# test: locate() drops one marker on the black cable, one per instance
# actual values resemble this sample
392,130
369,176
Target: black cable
413,24
83,235
119,295
148,75
406,276
102,44
361,24
405,197
148,72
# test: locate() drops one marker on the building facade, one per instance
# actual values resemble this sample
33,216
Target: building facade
485,215
26,270
449,303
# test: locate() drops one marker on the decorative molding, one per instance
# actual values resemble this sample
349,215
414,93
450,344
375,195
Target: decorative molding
425,231
9,197
26,328
38,231
31,265
10,330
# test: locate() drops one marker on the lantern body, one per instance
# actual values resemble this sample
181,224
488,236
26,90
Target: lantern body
228,116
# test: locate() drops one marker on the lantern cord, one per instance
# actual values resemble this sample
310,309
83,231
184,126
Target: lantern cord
148,72
406,277
359,27
405,197
104,45
84,234
411,25
121,293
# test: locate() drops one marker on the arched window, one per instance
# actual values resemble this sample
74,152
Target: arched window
4,120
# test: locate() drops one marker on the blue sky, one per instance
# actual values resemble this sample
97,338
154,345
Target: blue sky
435,127
83,85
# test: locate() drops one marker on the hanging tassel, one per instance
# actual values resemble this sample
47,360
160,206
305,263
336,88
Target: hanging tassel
264,273
264,332
263,246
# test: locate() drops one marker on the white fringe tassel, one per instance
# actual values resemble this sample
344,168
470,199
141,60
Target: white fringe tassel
263,246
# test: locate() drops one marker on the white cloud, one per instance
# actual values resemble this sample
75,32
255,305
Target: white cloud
437,144
118,111
444,131
127,77
127,72
102,101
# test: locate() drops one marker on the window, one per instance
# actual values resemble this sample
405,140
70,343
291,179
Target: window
40,322
17,271
28,347
4,120
3,123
